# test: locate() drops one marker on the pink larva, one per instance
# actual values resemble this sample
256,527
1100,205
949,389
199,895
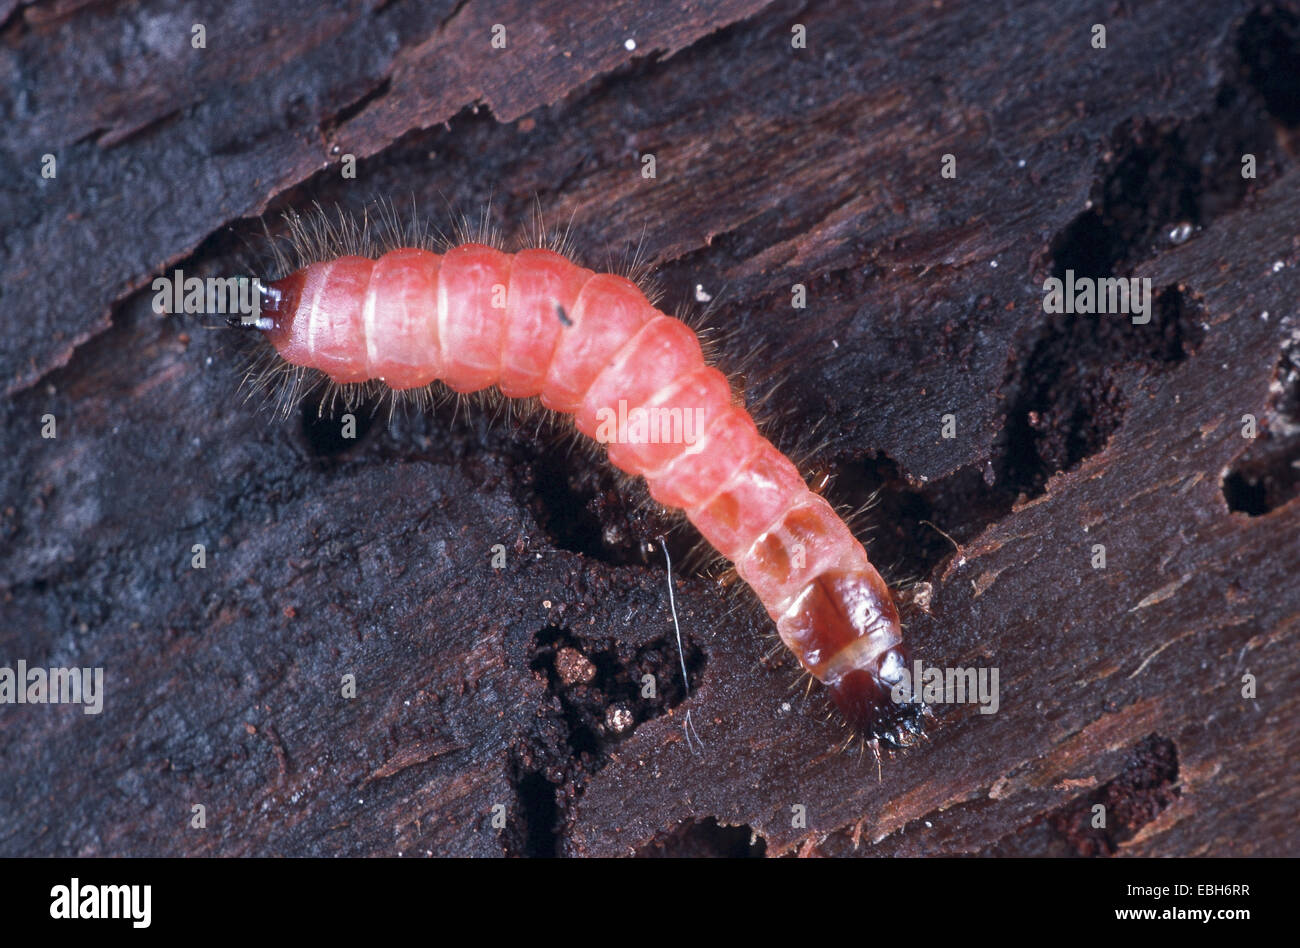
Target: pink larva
534,324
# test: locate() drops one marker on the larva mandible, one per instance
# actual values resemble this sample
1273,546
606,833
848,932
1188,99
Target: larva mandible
591,345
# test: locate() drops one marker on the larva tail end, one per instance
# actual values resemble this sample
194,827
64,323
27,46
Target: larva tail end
845,628
865,699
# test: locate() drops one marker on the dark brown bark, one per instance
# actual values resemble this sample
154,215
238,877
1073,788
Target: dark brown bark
480,687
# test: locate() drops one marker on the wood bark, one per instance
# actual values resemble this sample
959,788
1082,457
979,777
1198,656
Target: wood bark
487,692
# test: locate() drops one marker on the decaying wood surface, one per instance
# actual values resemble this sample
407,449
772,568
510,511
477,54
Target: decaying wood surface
485,692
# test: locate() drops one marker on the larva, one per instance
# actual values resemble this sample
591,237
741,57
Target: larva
592,346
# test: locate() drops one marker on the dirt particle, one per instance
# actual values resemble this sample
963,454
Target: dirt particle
572,666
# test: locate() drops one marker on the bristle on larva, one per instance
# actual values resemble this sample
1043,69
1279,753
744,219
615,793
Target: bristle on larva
375,303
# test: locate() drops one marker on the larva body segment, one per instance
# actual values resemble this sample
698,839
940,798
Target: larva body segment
399,346
591,345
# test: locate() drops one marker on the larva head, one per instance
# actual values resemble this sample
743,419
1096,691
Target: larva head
846,628
316,320
280,300
275,304
269,301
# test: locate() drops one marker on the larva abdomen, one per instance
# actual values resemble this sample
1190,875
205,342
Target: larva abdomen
591,345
